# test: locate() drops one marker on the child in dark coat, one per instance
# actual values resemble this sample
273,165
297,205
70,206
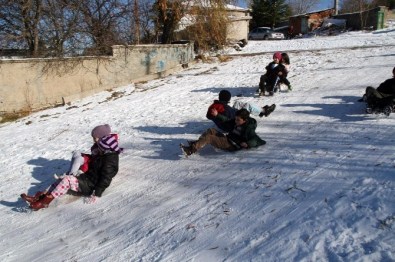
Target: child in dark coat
381,97
101,170
269,80
221,107
240,135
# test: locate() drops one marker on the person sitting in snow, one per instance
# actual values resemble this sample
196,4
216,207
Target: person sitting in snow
80,161
270,76
285,62
221,107
381,97
270,79
240,135
102,168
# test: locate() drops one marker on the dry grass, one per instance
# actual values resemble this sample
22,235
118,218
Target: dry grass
11,117
224,58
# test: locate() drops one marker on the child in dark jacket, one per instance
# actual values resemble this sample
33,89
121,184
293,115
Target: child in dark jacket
102,168
240,135
381,97
269,79
221,107
80,161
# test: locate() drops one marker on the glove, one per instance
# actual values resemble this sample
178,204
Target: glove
91,199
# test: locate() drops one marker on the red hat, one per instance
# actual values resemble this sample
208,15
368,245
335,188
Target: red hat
277,55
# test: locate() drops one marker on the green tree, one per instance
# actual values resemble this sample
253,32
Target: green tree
269,12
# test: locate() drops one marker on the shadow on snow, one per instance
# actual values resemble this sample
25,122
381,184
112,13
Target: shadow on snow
43,173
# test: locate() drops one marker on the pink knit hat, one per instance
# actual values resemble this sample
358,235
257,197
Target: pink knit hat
277,55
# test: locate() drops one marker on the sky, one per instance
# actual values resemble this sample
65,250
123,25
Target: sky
322,188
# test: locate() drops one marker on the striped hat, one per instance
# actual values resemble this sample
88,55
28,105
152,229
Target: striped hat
109,144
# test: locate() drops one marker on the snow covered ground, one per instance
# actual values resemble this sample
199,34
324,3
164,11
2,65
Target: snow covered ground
321,189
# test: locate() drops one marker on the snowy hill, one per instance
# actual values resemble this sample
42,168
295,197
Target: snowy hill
321,189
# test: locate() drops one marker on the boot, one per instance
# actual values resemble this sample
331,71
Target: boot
264,109
42,203
267,110
39,195
191,143
188,150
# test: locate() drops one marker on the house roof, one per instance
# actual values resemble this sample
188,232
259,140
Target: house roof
188,19
208,4
314,12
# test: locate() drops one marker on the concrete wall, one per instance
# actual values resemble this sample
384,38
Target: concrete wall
238,30
33,84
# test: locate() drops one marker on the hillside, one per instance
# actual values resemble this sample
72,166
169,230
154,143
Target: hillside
321,189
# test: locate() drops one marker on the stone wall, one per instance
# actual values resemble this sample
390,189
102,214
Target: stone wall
32,84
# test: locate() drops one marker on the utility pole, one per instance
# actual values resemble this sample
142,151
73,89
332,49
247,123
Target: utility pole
336,7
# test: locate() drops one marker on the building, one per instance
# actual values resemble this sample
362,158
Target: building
373,19
239,23
237,29
304,23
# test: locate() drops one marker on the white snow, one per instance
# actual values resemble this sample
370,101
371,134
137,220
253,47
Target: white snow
352,39
321,189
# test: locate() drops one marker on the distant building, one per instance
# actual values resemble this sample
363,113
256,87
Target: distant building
239,23
238,28
375,18
304,23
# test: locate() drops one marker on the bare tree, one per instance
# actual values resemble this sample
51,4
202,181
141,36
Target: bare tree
147,20
19,23
136,15
302,6
209,22
60,26
351,6
167,16
102,21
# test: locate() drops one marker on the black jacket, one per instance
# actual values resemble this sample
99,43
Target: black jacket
101,171
387,87
223,109
272,72
244,133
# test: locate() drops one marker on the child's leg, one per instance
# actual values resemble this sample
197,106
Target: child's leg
238,105
77,160
262,83
214,138
66,184
271,83
252,108
285,81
